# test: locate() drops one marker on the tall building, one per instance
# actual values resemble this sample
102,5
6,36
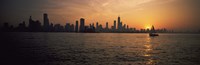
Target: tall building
124,26
97,27
100,28
46,22
76,28
106,25
115,25
30,22
82,25
118,22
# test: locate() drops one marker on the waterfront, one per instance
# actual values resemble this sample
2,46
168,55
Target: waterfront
100,49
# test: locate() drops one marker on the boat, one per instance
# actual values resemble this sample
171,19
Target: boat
153,32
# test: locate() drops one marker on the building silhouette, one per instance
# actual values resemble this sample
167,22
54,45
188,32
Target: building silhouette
76,28
127,27
119,24
46,22
124,28
82,25
97,27
7,28
22,27
115,26
72,28
100,28
51,27
106,25
34,26
67,27
58,28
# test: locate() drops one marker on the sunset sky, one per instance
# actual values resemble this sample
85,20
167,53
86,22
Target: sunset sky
181,15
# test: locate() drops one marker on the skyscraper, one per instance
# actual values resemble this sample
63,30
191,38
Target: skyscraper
46,22
82,25
115,25
97,27
106,25
119,24
118,27
127,27
30,22
124,26
76,28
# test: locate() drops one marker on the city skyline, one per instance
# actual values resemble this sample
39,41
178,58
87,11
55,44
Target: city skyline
180,15
79,26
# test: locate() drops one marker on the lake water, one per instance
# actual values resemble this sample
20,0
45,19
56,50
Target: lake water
99,49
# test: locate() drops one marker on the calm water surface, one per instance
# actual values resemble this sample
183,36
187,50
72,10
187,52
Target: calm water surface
102,49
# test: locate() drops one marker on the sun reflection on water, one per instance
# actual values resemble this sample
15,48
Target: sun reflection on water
150,62
147,55
147,50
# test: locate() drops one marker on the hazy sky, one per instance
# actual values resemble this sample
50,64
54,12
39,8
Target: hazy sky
170,14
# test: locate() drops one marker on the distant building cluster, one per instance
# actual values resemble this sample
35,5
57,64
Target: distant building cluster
36,26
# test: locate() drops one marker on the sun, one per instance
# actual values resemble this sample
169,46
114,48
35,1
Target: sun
147,27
